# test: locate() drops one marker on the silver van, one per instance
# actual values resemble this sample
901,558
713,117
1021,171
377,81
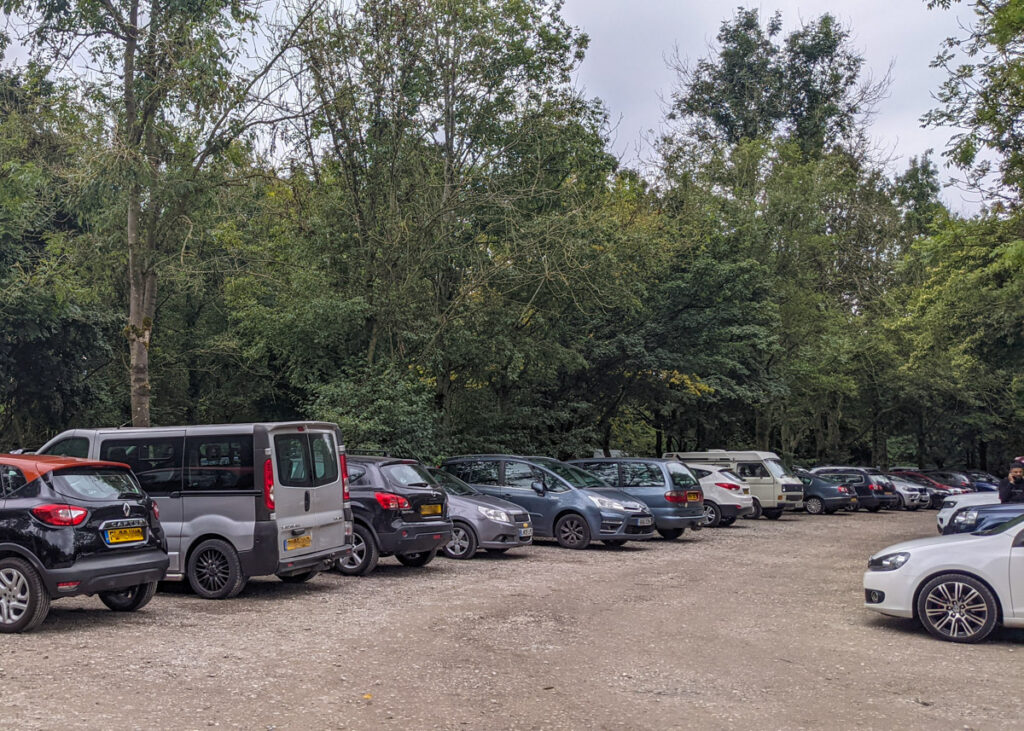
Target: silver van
772,486
235,500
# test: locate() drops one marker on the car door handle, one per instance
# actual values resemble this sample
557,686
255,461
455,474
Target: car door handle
175,494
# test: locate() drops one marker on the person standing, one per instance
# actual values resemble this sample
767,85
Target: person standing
1011,489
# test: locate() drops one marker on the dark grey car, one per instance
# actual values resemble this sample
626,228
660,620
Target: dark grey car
481,521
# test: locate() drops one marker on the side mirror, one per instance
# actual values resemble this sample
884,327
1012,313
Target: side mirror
538,487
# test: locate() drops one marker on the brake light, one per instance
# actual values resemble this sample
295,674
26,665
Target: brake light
344,477
156,510
841,489
675,496
268,484
53,514
729,485
390,501
876,488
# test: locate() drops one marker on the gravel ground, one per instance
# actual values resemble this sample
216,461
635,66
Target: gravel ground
757,625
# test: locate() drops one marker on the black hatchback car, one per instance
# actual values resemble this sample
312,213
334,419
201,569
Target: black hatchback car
72,526
397,511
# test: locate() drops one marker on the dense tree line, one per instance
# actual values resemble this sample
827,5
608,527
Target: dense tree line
402,216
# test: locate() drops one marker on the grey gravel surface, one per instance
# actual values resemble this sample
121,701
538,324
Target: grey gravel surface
759,625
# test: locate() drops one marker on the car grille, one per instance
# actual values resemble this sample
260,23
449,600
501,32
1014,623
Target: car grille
520,517
639,529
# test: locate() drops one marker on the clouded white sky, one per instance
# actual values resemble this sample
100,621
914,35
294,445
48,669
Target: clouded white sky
630,41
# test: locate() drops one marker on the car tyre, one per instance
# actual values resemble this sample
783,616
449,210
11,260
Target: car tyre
757,510
773,514
463,544
814,505
712,515
300,578
572,531
130,599
24,602
726,522
957,608
874,508
365,553
214,571
670,534
415,560
900,502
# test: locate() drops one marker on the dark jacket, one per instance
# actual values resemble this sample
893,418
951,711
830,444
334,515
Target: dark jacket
1011,492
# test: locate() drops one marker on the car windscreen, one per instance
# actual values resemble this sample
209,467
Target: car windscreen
452,484
681,475
573,475
409,474
1001,527
96,484
777,468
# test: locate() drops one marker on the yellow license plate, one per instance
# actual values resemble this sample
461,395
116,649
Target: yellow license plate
301,542
430,509
853,500
125,535
692,497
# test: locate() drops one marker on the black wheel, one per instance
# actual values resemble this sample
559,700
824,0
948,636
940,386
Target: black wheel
214,571
773,514
496,550
365,553
130,599
957,608
900,504
463,543
24,602
814,505
712,515
757,510
726,522
617,543
670,534
299,578
874,508
416,559
572,531
911,508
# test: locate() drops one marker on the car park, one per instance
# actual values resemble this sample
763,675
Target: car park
958,587
666,487
911,495
983,480
823,496
564,502
72,526
480,521
937,491
235,500
952,478
873,492
981,517
773,487
398,510
726,496
954,502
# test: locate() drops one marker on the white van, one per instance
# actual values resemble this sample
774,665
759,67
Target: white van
773,487
235,500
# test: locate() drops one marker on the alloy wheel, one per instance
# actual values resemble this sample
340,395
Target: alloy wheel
459,543
572,531
14,595
956,609
358,554
212,570
709,515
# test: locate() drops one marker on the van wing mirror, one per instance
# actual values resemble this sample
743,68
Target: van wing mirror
538,487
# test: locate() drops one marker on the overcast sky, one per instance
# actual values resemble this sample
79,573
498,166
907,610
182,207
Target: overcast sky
630,40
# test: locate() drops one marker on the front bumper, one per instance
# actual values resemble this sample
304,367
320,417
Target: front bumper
630,527
320,559
492,534
107,572
898,591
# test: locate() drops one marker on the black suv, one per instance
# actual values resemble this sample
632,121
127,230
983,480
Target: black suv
874,490
73,526
397,511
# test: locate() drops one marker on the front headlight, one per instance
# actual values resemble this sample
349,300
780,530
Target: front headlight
494,514
888,562
968,517
606,504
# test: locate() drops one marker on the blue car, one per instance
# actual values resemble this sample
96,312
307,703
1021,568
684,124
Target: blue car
666,486
564,502
982,517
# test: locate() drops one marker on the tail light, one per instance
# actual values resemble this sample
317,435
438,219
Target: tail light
729,486
675,496
390,501
344,476
841,489
53,514
268,484
876,488
156,509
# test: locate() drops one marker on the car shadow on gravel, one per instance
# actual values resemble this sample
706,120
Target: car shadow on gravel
1011,638
63,620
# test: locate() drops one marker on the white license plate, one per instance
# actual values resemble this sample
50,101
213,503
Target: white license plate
645,521
526,532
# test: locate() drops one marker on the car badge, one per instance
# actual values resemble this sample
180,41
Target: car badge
127,509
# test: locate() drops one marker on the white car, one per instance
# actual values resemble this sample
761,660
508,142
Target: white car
726,497
957,586
970,500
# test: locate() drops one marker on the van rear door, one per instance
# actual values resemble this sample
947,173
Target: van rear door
308,493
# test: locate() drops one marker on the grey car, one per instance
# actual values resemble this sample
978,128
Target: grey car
481,521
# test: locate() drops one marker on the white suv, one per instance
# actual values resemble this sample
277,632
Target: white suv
726,497
954,502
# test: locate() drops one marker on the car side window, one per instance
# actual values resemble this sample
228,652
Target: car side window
11,480
156,462
480,472
70,447
642,474
356,475
520,474
219,462
607,471
701,474
751,469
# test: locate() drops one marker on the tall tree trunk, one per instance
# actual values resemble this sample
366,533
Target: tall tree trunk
141,310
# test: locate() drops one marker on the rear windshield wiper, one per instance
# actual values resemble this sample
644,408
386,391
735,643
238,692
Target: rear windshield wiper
418,484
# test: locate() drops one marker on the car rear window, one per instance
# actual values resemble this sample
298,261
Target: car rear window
96,485
306,460
408,475
731,475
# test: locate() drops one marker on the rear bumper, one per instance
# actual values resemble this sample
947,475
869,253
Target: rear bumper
735,511
416,537
106,573
665,520
836,502
320,559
